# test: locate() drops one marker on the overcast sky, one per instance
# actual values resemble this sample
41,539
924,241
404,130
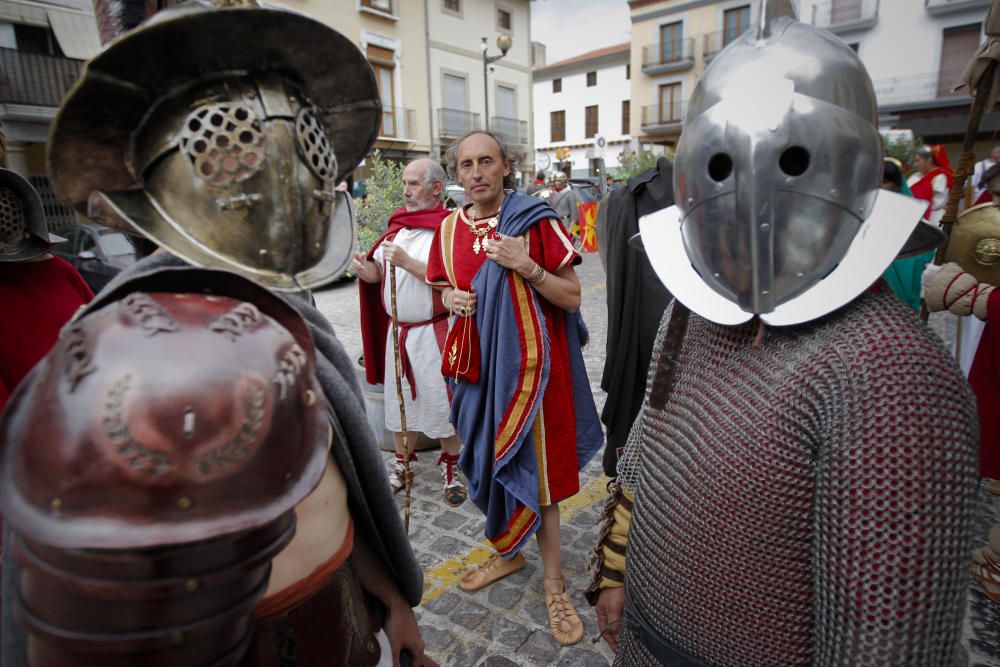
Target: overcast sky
568,28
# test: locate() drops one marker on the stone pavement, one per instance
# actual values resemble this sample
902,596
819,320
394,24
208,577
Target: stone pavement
505,624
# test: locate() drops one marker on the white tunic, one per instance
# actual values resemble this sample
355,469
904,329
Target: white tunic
428,414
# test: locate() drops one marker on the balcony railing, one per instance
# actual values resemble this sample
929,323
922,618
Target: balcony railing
453,123
937,7
29,78
397,123
716,41
663,115
668,56
919,88
842,15
513,130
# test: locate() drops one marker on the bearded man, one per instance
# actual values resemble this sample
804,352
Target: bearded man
422,325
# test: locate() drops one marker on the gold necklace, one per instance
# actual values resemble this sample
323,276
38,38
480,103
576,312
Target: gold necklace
481,228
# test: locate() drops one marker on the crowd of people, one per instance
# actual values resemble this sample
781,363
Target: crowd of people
794,459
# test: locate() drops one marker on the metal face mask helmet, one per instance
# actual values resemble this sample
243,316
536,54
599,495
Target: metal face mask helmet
227,155
777,169
23,234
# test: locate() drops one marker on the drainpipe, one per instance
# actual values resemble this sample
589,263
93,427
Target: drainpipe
430,86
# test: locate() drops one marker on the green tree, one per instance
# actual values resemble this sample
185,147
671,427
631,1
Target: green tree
635,163
902,148
385,194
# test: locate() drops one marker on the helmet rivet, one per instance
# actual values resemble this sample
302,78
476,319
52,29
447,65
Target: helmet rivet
184,503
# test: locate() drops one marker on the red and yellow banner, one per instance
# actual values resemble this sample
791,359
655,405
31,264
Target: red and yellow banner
588,226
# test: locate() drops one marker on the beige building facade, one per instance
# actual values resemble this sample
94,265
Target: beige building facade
672,43
428,59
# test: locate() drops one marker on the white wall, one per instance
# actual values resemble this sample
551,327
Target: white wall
902,51
455,48
611,89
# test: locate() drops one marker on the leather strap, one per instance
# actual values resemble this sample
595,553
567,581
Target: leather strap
660,647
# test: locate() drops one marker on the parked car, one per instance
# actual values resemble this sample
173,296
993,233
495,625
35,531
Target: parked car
584,189
456,194
97,252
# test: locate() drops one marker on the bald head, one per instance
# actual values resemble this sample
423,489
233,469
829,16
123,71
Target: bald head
423,184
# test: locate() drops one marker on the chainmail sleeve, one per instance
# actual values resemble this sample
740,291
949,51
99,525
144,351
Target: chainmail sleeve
894,497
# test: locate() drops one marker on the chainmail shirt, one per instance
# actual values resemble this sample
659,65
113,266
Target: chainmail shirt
807,501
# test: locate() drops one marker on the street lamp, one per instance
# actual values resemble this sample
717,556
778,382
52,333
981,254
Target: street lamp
503,43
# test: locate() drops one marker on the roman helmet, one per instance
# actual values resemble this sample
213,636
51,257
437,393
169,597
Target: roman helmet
23,233
215,134
777,176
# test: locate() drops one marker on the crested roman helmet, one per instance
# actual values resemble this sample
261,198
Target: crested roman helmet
23,233
776,176
147,498
211,131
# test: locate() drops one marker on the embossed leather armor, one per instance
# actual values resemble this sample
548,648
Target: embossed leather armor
150,465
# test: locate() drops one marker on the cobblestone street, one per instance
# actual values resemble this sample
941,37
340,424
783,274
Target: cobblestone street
505,624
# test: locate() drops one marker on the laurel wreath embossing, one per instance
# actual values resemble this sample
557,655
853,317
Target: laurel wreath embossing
238,447
238,321
148,314
289,368
77,362
139,456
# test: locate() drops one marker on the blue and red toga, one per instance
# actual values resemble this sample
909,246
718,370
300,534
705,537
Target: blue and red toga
527,419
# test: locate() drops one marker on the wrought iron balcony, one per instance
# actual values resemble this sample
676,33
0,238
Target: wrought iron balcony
938,7
453,123
513,130
668,56
33,79
397,123
934,89
663,118
843,15
716,41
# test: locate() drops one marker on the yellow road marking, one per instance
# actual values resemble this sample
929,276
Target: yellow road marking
444,576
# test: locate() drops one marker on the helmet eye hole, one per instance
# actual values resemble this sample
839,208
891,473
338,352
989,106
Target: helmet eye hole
720,167
794,161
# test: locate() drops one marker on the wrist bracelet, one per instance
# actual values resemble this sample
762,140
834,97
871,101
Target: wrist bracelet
537,275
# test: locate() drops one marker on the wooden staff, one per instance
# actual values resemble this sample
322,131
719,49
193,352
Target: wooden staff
399,396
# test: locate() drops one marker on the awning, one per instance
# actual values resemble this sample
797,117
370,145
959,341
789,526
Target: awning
15,12
76,33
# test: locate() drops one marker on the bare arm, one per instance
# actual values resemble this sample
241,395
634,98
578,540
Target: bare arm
401,259
367,270
561,288
400,623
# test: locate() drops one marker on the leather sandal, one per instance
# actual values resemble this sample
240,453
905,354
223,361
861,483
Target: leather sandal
565,624
497,567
